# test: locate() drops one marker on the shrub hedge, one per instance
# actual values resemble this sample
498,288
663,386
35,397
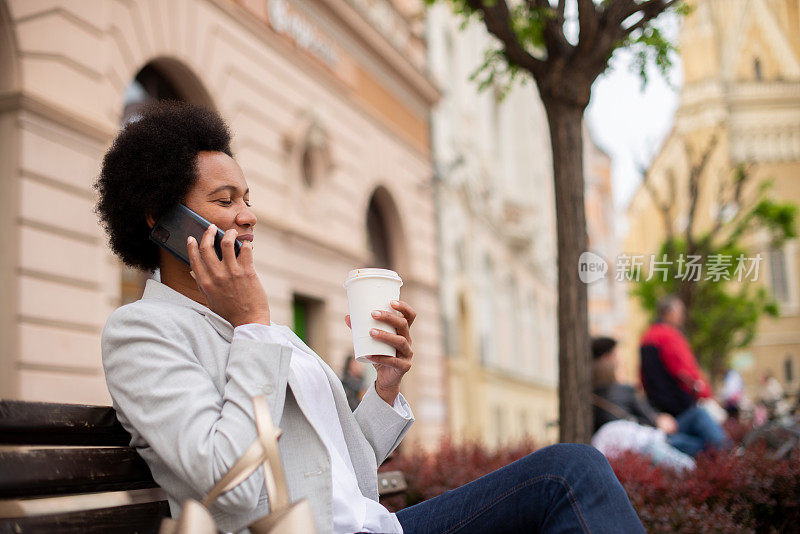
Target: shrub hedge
726,493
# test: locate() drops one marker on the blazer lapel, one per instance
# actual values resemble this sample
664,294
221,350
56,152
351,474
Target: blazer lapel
357,445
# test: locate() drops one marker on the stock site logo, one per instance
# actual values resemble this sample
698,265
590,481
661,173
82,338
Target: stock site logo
591,267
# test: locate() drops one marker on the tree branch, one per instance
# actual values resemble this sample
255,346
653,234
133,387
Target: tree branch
650,10
663,206
554,39
695,172
721,204
614,12
588,22
560,10
498,22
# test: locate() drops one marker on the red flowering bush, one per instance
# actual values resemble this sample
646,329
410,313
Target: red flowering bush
429,474
726,493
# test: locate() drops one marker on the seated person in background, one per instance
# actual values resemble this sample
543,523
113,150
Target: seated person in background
772,396
622,420
674,382
353,381
732,392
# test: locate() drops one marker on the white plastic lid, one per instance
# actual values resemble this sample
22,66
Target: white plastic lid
372,273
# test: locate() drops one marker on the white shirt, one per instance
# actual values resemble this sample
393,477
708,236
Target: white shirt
352,511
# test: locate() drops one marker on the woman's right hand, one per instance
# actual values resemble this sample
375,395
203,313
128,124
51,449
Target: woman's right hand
231,285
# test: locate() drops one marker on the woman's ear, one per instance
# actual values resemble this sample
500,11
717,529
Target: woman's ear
150,221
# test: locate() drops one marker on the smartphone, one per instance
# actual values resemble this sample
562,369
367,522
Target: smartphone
174,227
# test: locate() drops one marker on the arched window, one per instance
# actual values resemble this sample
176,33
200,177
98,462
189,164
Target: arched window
384,232
160,79
379,239
149,85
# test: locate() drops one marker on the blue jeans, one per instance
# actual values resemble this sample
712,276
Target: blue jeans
561,488
697,431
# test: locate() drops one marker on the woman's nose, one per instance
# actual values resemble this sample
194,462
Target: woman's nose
246,217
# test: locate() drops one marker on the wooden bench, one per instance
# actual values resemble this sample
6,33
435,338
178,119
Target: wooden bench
68,468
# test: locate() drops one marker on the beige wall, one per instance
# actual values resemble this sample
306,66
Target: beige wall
76,61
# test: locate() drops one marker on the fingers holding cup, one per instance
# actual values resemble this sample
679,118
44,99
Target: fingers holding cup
399,342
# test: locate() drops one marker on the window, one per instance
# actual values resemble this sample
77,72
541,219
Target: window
464,328
488,312
788,369
518,357
309,322
777,271
757,69
499,425
148,86
379,240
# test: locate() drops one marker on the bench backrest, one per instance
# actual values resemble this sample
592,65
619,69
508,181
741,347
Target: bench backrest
69,468
76,462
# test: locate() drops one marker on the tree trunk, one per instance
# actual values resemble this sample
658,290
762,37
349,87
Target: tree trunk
574,360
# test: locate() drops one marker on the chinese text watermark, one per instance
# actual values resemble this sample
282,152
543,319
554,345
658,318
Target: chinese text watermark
685,267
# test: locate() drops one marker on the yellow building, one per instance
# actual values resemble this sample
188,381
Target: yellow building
741,61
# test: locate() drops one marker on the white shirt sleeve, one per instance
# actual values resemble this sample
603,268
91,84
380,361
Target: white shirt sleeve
262,332
400,406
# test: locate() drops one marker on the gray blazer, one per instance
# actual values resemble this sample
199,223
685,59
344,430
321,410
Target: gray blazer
182,386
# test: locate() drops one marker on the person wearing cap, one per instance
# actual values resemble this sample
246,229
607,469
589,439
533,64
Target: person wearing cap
624,396
183,363
623,420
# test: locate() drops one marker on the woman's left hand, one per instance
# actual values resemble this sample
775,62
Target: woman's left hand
391,369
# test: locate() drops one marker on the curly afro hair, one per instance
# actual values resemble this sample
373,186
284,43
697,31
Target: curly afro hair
152,165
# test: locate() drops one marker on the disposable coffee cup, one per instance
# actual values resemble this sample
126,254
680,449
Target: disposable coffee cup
369,290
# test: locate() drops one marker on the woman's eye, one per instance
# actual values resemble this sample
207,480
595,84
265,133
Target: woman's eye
225,202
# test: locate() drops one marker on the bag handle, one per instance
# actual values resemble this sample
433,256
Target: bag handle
262,451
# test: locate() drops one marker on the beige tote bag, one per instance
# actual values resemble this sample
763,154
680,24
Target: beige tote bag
284,517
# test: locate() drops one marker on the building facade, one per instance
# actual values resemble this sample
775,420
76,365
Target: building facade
606,298
741,61
329,105
497,241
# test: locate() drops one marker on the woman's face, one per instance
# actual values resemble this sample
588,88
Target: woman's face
221,194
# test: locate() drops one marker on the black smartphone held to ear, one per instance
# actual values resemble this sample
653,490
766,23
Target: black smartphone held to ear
176,225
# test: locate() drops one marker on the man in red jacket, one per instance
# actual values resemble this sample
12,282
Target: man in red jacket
674,381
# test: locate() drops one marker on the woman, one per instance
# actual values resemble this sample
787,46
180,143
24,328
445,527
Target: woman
623,421
183,362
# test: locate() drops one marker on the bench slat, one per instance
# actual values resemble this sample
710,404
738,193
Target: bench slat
46,423
142,518
27,471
